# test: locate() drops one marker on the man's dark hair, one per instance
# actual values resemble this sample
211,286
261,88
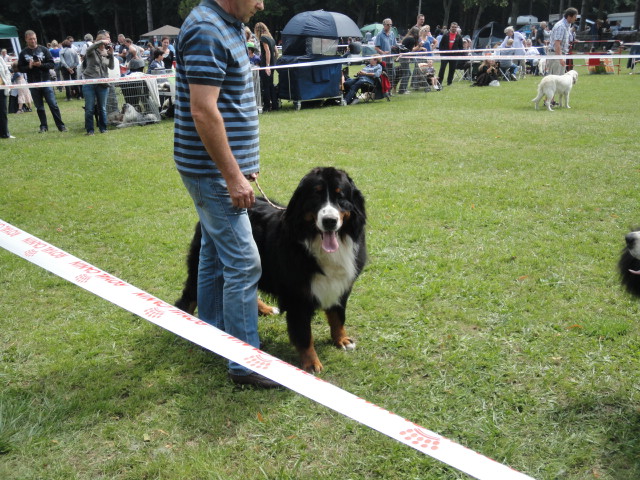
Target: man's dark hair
570,12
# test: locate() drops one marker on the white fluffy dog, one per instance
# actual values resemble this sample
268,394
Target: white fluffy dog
542,66
559,85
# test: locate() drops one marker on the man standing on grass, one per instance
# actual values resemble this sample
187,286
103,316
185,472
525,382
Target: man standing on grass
36,61
451,40
216,151
560,41
385,41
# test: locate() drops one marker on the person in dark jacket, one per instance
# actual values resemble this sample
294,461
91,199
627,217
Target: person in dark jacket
451,40
36,61
267,60
411,45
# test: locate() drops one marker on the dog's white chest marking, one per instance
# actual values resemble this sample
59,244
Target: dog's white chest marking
339,271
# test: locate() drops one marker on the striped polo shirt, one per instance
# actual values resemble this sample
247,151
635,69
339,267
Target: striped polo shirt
211,50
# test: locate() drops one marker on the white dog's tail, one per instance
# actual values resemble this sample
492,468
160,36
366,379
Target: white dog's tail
539,96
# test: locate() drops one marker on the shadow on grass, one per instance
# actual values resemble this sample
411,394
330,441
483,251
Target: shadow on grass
151,370
141,366
610,427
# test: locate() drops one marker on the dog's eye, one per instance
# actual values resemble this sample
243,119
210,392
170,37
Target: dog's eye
338,190
318,188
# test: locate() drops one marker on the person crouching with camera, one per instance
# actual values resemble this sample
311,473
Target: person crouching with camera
97,63
487,73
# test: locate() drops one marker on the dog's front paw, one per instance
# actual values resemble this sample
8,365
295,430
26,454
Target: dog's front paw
266,310
345,343
310,363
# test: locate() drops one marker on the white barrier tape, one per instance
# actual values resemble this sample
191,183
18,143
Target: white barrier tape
412,56
417,56
170,318
88,81
437,56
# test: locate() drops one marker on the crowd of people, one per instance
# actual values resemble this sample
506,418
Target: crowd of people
408,69
405,62
70,60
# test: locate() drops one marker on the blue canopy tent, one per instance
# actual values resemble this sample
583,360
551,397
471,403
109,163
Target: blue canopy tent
311,37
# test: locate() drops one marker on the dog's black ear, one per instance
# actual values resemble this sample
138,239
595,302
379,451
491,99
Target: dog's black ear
630,281
357,199
294,219
358,217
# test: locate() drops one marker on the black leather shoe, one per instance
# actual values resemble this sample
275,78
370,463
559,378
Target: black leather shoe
63,128
254,379
43,129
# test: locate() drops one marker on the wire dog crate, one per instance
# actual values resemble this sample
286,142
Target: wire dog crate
133,103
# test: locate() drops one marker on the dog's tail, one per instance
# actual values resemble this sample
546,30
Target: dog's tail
189,299
540,94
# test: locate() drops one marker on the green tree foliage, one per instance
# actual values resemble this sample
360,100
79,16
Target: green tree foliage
59,18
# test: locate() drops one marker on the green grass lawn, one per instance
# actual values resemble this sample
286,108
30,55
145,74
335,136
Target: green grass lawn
490,310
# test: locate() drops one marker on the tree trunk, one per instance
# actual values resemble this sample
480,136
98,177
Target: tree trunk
476,23
515,4
149,16
62,30
583,14
446,4
116,24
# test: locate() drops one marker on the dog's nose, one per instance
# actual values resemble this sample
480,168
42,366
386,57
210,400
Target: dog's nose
329,223
630,239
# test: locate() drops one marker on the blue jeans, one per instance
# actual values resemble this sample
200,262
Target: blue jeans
93,92
229,267
353,84
46,94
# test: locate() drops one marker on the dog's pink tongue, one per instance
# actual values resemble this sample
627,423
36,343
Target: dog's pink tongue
635,272
329,242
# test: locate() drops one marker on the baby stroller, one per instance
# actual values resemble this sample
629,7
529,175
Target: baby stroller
426,78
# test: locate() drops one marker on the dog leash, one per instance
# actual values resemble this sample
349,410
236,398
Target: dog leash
267,198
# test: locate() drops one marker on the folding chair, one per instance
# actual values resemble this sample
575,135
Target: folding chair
522,69
504,73
463,71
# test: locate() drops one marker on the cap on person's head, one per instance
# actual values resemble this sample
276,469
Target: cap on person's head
88,37
251,45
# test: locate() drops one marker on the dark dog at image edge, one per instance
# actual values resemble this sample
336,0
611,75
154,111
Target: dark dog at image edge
629,263
311,252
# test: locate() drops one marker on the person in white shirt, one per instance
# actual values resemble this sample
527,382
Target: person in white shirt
5,79
518,40
531,51
88,38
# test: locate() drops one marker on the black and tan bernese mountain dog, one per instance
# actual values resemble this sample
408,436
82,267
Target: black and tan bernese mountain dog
629,263
312,252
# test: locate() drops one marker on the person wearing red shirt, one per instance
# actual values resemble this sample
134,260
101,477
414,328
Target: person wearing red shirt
451,40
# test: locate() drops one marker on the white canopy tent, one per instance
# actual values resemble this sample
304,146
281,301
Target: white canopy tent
166,31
